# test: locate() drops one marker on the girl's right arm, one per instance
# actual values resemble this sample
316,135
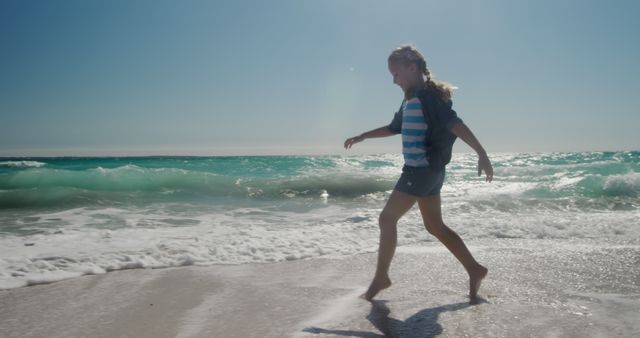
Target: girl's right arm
379,132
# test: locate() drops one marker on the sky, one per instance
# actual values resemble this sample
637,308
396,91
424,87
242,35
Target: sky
153,77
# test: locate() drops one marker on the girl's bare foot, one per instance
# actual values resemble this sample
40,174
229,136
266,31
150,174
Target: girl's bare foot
475,279
377,285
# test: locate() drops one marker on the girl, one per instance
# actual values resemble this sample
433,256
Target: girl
421,180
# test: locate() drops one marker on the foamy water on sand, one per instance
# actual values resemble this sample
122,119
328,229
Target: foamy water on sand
67,217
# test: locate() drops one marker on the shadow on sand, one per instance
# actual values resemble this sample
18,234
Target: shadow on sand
423,324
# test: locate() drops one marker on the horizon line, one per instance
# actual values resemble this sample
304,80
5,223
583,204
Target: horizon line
9,157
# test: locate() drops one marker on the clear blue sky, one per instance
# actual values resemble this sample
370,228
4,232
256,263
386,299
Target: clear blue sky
143,77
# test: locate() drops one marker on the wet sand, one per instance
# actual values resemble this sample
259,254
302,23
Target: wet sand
535,288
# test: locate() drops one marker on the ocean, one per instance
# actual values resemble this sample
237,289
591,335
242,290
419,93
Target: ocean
71,216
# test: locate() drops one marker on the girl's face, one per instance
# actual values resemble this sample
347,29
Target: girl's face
405,76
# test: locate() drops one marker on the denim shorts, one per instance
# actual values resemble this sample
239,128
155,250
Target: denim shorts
420,181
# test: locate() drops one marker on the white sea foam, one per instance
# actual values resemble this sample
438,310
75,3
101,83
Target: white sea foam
90,244
34,164
627,184
563,181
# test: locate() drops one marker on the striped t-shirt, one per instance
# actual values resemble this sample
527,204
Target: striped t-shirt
414,133
410,122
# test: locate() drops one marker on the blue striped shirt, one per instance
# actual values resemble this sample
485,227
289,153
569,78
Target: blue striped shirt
410,122
414,134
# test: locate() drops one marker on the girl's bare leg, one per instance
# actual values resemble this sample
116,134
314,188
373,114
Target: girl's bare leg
397,205
430,208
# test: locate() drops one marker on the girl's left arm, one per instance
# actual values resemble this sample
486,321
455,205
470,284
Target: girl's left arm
484,164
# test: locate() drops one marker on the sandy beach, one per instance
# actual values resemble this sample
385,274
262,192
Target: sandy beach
223,169
536,288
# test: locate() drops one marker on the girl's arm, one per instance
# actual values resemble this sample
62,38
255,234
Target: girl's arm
379,132
484,164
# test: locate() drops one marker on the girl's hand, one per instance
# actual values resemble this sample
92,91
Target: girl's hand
484,164
351,141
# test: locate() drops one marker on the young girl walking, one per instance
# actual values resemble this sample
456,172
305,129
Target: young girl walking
424,163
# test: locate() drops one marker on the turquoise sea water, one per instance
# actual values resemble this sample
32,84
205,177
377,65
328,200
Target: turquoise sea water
72,182
62,217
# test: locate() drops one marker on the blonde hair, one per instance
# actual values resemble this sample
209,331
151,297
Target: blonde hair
408,54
